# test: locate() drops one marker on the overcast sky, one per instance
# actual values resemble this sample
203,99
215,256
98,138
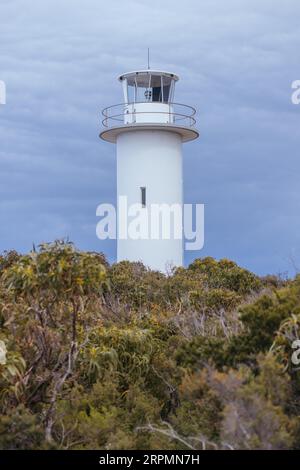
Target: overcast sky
236,60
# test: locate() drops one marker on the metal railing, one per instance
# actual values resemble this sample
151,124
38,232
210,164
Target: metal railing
120,114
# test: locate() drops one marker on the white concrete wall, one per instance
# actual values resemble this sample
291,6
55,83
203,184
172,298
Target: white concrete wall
148,112
150,159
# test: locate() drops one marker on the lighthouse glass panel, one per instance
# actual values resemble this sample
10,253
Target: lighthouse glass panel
156,88
167,86
131,94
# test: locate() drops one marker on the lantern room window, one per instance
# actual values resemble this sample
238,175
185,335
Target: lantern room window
148,86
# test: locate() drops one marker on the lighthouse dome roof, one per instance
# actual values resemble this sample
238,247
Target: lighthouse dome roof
143,76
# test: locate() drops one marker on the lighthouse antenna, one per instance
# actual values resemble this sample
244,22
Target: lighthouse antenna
148,58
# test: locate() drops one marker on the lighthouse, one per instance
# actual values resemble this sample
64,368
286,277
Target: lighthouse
149,128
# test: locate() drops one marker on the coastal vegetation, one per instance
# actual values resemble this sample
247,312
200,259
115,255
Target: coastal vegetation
99,356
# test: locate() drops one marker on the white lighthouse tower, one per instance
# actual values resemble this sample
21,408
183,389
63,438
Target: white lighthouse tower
149,129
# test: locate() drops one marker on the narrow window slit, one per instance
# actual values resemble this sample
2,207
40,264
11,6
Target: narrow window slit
143,196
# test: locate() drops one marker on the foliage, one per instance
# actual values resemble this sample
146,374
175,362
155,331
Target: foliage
122,357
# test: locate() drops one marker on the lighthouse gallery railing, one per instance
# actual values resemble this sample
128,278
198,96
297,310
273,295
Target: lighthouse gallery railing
126,113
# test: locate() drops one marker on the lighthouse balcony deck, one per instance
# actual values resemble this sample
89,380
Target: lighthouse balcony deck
129,117
148,113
